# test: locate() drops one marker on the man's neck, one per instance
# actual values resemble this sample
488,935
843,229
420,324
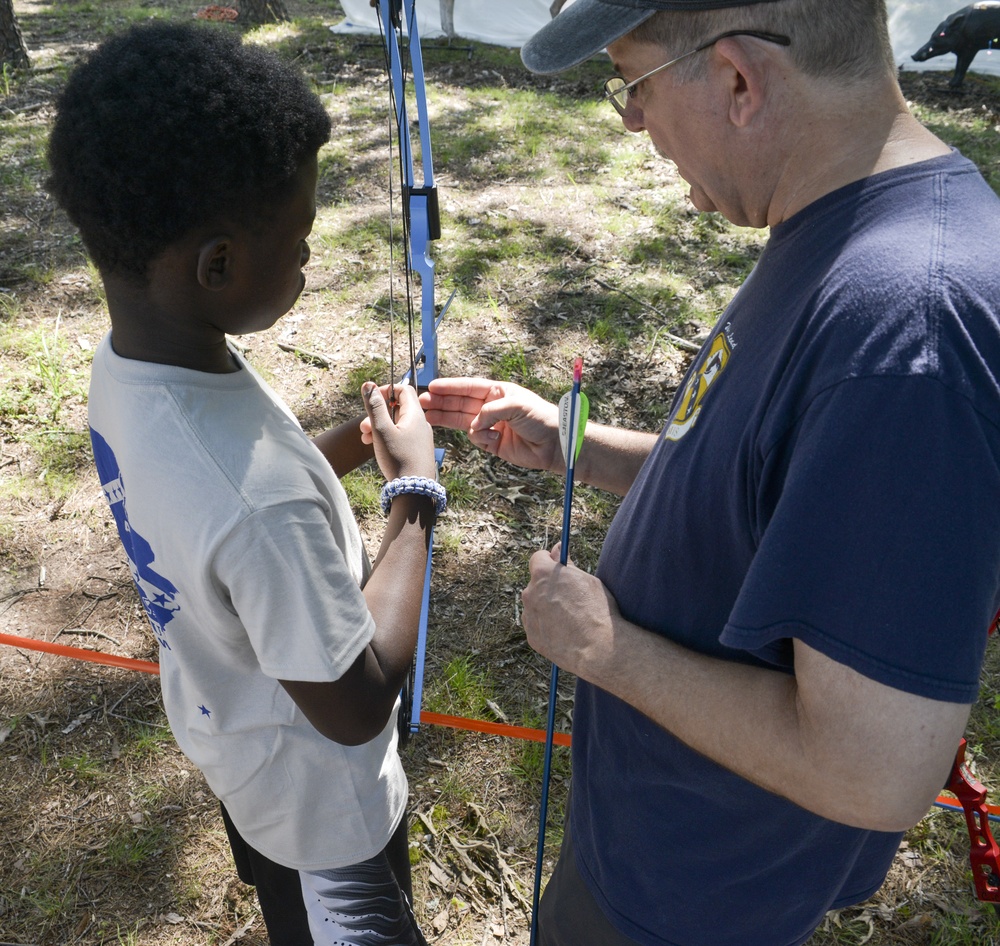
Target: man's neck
847,142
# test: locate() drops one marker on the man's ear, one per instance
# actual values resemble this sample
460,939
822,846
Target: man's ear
215,263
745,70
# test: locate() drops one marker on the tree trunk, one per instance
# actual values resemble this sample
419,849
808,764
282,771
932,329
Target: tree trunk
448,17
260,11
12,48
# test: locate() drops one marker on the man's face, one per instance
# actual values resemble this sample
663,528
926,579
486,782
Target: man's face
680,117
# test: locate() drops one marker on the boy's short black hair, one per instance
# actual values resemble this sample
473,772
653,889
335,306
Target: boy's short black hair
168,126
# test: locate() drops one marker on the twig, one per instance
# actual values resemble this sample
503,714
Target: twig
111,711
14,596
24,110
240,933
673,339
309,357
426,822
92,633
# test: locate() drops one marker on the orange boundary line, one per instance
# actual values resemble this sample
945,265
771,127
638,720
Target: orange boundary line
147,666
94,656
432,719
953,804
493,729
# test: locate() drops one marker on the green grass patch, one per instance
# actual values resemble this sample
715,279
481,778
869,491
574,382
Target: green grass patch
374,369
461,688
363,488
44,370
131,846
147,741
84,767
462,489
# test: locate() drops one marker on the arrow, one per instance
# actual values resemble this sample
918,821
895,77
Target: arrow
573,412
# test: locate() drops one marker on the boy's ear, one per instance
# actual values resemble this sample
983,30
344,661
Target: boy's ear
215,263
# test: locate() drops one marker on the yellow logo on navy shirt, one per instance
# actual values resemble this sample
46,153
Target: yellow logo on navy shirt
690,403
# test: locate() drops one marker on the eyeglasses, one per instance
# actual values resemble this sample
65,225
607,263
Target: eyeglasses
619,91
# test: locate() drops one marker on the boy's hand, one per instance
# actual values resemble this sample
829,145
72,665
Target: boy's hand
501,418
404,447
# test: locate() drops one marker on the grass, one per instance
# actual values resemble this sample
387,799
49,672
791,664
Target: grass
972,130
461,689
363,488
564,235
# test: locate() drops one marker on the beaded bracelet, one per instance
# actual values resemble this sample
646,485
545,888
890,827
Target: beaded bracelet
421,485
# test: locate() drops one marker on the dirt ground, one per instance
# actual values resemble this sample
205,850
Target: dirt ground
107,833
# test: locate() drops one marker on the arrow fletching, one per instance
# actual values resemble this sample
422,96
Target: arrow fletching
573,412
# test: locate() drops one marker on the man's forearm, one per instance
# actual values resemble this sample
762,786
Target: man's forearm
835,742
820,738
611,457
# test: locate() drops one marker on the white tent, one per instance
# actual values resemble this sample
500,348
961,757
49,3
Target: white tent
511,22
501,22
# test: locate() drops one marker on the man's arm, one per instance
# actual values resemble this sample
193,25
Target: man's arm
611,457
829,739
522,428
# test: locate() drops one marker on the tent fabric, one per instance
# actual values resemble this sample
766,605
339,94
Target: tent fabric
504,23
511,22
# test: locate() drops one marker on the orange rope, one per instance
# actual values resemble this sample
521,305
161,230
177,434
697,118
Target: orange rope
953,804
432,719
146,666
494,729
94,656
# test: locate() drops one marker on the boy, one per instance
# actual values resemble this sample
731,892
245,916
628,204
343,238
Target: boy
188,161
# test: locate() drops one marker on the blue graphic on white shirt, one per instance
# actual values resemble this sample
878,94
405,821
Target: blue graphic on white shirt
158,594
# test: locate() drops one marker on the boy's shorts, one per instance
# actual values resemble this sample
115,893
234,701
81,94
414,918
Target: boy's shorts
366,904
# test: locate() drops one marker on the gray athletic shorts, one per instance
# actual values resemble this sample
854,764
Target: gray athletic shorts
366,904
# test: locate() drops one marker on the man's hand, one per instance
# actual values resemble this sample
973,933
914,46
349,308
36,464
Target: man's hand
569,616
522,428
500,417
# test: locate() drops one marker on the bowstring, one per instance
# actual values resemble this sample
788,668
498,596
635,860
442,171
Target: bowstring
402,155
406,695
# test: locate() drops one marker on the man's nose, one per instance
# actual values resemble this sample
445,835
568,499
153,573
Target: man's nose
632,119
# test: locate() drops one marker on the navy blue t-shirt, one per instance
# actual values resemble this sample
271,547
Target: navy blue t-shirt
830,472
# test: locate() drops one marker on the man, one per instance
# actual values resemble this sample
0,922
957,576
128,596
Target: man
779,650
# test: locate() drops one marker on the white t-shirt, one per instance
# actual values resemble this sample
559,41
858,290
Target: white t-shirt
250,564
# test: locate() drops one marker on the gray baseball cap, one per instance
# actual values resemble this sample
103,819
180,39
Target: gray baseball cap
587,26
